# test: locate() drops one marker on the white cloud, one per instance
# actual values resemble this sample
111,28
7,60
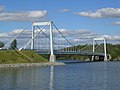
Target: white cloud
74,36
23,16
81,34
116,23
89,14
3,34
104,12
108,37
15,31
65,10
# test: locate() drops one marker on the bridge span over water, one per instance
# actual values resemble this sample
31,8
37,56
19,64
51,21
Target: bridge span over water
46,38
94,55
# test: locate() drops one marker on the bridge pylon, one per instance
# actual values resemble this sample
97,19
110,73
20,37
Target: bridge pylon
52,56
105,52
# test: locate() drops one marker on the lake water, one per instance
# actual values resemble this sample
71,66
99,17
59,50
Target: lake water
76,76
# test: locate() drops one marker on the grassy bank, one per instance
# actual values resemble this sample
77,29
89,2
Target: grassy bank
14,56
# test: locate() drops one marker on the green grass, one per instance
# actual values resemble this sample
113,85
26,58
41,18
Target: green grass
14,56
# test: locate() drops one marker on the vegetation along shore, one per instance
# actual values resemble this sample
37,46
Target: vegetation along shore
16,59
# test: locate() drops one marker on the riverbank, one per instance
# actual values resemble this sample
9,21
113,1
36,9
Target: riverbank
31,64
24,56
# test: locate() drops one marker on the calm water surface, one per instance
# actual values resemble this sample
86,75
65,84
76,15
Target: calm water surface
77,76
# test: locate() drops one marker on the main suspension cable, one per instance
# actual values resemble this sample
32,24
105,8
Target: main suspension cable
62,35
16,36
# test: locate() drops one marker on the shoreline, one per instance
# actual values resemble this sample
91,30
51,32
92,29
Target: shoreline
17,65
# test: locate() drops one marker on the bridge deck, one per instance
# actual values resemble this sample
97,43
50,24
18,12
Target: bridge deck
80,53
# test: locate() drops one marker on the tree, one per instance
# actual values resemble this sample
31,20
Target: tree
13,44
1,44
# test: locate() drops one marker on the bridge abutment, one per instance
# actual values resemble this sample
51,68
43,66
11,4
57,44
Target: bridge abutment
99,58
52,58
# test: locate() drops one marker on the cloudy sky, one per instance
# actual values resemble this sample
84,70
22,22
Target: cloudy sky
81,18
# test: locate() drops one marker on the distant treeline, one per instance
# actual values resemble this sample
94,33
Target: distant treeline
113,50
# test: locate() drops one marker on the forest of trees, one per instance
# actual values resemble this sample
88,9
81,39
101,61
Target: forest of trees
113,50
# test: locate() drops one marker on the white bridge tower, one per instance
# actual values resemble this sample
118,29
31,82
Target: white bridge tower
105,52
52,56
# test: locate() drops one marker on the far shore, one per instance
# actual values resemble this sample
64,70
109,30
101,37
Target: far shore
17,65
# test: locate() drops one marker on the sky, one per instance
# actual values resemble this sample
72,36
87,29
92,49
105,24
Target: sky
98,17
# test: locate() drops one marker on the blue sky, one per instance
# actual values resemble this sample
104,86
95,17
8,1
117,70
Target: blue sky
97,16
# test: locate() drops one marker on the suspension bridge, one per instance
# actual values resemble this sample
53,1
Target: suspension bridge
46,38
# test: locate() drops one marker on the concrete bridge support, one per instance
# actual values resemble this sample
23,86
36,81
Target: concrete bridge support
99,58
52,58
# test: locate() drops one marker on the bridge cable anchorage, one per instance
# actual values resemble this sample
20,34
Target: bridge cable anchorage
16,36
31,39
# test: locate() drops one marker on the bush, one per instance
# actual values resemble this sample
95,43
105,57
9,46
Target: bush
1,44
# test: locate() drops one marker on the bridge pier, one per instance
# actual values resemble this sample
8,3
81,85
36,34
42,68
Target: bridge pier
105,58
92,58
99,58
52,58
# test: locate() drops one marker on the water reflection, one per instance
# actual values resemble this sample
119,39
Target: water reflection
52,78
105,76
26,79
81,76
